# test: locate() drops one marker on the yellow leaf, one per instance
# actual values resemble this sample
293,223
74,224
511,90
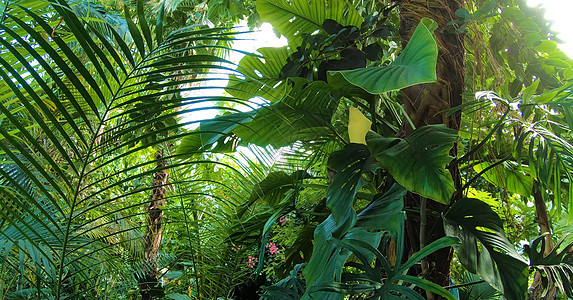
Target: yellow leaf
358,126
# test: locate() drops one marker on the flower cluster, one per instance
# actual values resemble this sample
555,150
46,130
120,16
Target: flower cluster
237,248
284,219
273,248
252,261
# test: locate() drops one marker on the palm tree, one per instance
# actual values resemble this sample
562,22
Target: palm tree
82,107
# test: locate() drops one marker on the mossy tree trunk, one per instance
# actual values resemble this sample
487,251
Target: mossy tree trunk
154,230
539,292
425,104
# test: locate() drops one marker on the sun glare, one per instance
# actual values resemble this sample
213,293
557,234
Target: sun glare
558,12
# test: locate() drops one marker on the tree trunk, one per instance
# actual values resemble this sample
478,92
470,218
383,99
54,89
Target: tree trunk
425,104
544,228
153,233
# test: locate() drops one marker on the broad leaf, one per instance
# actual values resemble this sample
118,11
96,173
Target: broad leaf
350,163
392,283
556,268
485,249
418,161
330,253
261,75
383,213
416,64
509,176
293,18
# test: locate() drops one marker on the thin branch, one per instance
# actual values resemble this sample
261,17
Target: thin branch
463,284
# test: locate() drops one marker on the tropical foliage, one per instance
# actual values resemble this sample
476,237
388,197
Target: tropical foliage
343,165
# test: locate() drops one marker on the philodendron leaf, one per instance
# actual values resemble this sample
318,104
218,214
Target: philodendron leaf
418,161
556,267
395,277
384,212
485,249
329,254
350,164
295,17
416,64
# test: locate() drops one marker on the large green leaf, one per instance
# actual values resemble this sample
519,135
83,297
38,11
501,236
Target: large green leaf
377,286
416,64
350,163
329,253
382,213
418,161
485,249
328,259
556,267
261,75
293,18
509,176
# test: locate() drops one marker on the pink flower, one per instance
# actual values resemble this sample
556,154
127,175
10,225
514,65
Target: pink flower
252,261
272,248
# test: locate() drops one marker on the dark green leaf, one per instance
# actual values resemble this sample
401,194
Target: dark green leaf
557,266
485,249
416,64
418,161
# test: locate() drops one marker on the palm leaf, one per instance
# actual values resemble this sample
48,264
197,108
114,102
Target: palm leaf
83,106
261,75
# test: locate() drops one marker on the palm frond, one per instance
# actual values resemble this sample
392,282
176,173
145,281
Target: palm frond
83,108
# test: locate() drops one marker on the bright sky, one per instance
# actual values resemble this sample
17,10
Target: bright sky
559,11
246,42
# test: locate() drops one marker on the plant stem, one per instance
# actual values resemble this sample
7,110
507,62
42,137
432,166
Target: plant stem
463,284
423,223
